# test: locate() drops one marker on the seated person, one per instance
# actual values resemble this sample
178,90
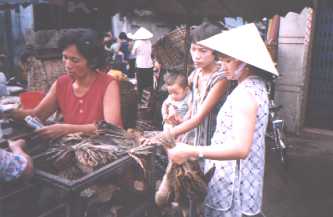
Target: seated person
176,108
84,95
14,164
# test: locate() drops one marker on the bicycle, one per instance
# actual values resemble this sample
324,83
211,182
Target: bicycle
276,130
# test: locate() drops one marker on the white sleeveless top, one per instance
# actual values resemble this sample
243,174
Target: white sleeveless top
242,177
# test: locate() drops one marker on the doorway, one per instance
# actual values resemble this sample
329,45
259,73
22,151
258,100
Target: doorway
320,99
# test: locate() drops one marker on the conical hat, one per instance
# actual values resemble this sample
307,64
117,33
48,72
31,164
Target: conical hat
129,35
245,44
141,34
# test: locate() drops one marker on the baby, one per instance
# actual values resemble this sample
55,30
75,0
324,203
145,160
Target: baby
177,107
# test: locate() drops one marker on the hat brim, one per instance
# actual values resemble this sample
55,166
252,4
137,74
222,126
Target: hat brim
245,44
141,34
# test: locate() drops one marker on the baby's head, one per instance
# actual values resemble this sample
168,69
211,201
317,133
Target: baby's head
177,85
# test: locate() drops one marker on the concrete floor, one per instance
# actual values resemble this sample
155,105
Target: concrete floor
305,188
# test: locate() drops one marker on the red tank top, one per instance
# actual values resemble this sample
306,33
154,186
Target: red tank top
86,109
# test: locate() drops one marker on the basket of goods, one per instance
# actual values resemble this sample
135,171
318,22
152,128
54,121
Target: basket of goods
170,50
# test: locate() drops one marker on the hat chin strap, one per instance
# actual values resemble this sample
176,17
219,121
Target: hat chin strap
239,71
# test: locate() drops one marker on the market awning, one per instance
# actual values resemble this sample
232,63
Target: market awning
179,10
214,9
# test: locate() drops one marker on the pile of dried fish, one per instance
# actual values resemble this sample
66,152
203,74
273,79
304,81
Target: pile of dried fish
180,183
88,153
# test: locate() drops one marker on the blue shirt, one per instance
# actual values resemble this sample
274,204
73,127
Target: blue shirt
11,165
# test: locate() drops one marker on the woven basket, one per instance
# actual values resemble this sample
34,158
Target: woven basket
170,50
42,73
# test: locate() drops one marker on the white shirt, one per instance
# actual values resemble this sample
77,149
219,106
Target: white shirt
142,51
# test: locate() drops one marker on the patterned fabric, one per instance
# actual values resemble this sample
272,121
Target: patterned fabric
202,134
236,187
11,165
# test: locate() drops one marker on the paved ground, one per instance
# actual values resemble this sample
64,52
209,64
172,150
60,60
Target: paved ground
305,189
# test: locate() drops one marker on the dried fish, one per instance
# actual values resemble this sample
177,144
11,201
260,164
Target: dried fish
88,153
180,183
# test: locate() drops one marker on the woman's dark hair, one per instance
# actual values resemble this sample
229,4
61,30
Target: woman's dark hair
88,43
205,31
122,36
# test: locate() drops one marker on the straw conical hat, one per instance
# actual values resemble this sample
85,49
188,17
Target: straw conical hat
141,34
243,43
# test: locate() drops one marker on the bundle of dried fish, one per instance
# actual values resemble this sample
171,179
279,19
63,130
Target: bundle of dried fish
89,153
180,183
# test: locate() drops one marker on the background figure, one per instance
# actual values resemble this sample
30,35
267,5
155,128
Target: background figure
177,107
131,58
142,50
124,49
108,42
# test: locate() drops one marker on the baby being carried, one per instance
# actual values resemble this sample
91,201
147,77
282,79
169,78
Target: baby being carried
177,107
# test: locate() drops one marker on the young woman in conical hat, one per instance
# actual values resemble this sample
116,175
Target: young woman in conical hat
238,145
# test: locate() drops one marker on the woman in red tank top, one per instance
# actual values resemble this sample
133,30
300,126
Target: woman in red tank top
83,95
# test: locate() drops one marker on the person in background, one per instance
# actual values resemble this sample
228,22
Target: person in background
142,49
15,164
72,94
108,40
237,148
131,57
121,54
209,89
178,104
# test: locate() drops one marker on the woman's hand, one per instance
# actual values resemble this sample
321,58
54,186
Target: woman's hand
181,152
53,131
173,119
17,145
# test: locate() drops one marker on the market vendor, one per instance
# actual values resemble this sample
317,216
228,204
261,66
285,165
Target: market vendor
238,145
16,163
83,95
209,89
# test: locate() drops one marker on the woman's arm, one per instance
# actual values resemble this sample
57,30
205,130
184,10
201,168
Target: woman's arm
43,110
164,109
237,147
112,104
58,130
214,96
